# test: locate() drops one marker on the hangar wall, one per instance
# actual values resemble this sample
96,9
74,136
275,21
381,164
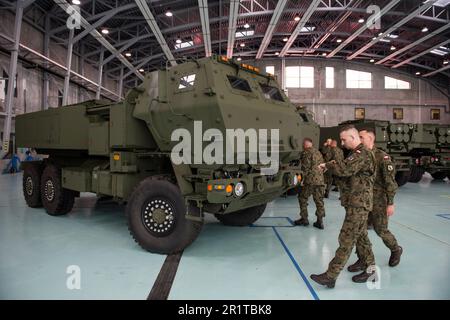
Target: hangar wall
332,106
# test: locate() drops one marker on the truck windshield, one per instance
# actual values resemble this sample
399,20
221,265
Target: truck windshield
271,93
239,83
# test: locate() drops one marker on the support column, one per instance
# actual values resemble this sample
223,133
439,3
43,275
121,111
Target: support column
69,66
120,84
46,77
283,70
12,76
100,75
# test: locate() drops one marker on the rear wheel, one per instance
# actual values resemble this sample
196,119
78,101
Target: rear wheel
402,177
156,215
416,174
56,200
440,175
243,217
32,186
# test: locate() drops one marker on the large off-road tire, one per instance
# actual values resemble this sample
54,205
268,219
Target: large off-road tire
440,175
402,177
156,215
416,174
31,183
56,200
243,217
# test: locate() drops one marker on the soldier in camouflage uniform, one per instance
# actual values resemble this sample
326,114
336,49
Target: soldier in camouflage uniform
384,191
327,156
337,155
313,184
358,169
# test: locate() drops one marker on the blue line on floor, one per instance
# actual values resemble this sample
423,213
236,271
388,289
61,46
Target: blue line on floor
311,289
444,215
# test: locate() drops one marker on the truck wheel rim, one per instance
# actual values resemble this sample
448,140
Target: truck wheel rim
49,191
158,217
29,186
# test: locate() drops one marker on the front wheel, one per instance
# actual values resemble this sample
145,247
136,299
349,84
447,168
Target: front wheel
402,177
416,174
156,216
242,217
440,175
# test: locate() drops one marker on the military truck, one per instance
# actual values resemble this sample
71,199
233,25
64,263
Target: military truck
414,148
123,150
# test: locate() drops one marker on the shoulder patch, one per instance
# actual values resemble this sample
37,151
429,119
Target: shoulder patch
390,168
386,157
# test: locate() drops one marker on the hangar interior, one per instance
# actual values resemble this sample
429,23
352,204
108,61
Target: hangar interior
325,56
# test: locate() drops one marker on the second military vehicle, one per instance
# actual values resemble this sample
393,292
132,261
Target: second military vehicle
123,150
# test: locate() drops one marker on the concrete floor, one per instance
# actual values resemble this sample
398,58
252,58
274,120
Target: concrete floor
270,260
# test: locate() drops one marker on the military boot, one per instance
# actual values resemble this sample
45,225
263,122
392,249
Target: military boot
318,224
394,260
301,222
357,266
324,280
363,277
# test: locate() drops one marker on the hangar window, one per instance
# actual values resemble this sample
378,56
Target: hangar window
329,77
392,83
187,82
60,98
6,78
358,79
299,77
270,69
183,45
435,114
240,84
271,93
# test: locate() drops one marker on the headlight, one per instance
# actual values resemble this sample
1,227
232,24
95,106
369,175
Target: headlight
239,189
295,180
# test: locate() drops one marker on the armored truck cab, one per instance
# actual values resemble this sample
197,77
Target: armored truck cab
125,150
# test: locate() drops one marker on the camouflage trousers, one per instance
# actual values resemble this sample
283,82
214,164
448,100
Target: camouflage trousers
317,192
354,230
328,182
380,221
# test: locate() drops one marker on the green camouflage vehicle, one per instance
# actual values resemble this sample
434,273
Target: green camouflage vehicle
123,150
415,148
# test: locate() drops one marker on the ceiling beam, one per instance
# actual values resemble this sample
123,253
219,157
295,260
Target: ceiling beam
363,28
143,6
385,34
312,7
204,17
271,28
232,21
415,43
436,71
98,36
403,62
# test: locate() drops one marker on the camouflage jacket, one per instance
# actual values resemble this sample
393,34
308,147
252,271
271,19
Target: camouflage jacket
326,151
337,154
310,160
385,183
358,169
